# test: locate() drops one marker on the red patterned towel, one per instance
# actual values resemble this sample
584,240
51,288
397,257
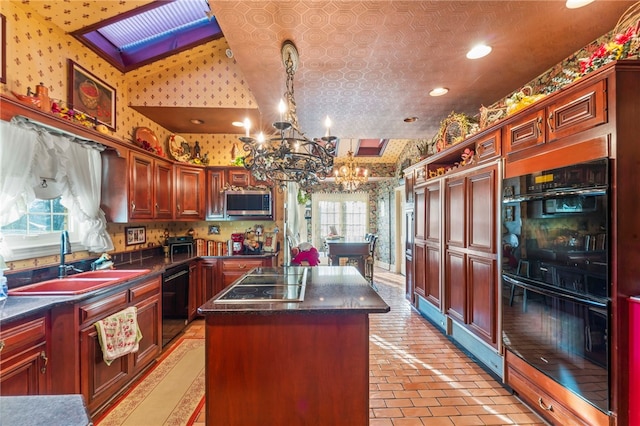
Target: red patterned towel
119,334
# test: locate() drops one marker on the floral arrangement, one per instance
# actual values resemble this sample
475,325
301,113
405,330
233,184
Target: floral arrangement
622,46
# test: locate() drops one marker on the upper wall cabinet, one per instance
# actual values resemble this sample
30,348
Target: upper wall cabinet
579,109
190,197
136,187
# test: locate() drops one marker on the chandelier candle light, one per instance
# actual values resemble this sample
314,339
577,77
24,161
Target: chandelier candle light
349,175
288,155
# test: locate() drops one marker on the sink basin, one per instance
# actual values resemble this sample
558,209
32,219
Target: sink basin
77,284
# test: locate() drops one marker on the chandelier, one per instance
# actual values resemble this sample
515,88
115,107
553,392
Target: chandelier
288,155
349,175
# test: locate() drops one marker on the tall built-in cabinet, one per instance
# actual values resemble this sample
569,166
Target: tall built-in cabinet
595,117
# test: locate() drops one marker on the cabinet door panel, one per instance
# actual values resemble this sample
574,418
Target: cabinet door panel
456,285
432,207
578,111
215,196
482,203
141,187
239,177
482,293
149,317
420,214
432,288
526,132
189,193
99,381
207,275
22,374
163,190
419,257
455,212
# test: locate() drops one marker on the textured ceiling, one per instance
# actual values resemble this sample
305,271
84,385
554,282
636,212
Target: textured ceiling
370,64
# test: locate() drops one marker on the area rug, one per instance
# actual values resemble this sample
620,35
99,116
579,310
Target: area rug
172,393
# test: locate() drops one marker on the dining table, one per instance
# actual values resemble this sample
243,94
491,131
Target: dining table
348,252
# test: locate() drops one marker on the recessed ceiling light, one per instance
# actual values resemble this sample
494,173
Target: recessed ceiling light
478,51
196,121
438,91
410,119
238,124
575,4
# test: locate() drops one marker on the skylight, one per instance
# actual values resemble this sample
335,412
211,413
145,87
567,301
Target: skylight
151,32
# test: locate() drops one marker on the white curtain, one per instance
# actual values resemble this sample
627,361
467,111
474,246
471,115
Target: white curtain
18,150
78,168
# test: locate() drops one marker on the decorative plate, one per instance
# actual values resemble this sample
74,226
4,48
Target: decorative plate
144,134
179,148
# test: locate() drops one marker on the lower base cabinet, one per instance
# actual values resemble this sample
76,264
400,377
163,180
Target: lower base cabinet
83,370
24,356
548,398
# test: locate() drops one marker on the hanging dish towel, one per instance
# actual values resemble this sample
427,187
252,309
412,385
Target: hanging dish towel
119,334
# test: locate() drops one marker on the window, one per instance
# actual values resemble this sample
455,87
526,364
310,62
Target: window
348,213
37,233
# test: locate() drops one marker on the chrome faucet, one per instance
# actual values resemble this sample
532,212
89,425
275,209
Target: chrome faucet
65,248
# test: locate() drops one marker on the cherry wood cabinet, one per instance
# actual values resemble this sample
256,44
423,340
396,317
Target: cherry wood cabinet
78,366
208,280
240,177
578,109
150,187
24,357
190,196
471,276
216,180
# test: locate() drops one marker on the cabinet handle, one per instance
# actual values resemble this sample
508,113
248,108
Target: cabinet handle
133,206
156,206
550,122
178,207
43,356
1,345
544,407
538,125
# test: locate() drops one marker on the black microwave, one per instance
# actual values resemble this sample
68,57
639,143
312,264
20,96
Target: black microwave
253,203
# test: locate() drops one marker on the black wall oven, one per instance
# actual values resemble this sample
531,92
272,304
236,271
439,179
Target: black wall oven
556,294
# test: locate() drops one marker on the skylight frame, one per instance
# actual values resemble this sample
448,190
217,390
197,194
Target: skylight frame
193,31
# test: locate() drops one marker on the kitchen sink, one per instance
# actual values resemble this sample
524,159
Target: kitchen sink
77,284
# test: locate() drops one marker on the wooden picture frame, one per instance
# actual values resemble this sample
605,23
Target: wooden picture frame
89,94
135,235
3,46
269,245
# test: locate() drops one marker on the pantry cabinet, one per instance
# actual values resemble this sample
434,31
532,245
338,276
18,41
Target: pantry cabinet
24,357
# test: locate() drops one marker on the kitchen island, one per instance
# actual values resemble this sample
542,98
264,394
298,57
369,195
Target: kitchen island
299,356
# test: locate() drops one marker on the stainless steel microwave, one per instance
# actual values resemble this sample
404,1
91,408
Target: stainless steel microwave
250,203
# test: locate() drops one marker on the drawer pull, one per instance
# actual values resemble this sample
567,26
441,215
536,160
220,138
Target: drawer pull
550,122
133,207
1,345
43,357
544,407
538,125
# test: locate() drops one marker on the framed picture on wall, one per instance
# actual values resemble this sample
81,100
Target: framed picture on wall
3,46
135,235
87,93
269,244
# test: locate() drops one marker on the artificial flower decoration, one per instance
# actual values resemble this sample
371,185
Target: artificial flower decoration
622,46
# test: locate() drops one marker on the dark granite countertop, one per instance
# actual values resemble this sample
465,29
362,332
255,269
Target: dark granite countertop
329,289
18,307
45,410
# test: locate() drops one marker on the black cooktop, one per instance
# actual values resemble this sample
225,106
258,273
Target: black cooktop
267,285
